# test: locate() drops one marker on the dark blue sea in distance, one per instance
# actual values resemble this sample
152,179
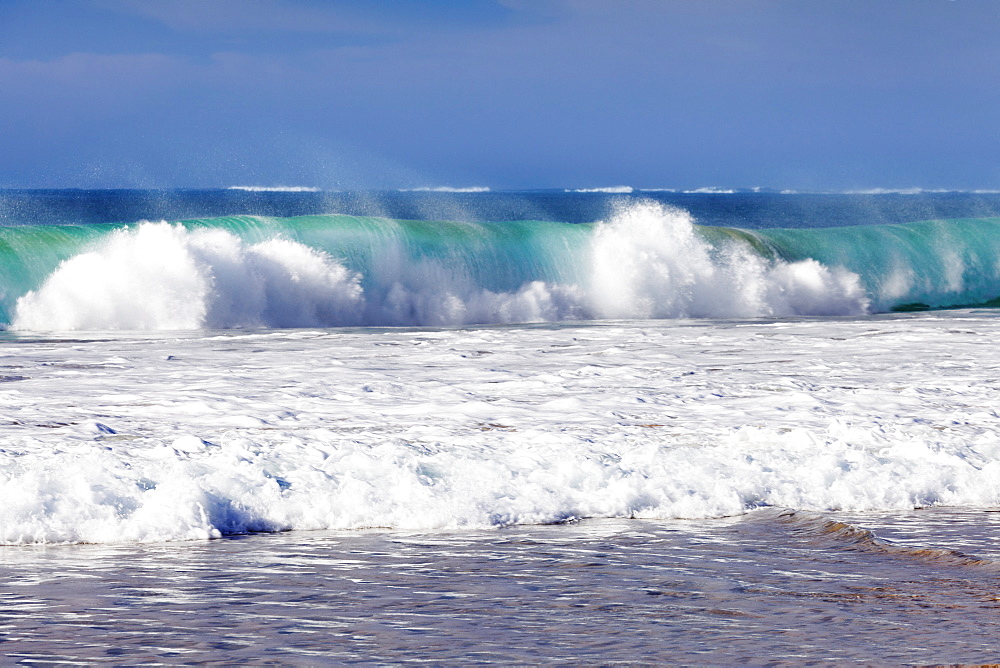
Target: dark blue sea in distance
747,210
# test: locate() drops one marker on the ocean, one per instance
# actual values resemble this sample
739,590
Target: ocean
300,427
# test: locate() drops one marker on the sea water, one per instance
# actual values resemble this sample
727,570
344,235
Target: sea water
636,438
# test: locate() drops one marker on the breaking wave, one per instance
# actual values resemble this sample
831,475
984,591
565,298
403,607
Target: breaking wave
276,189
646,261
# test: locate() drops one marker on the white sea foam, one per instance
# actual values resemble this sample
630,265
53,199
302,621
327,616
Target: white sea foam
710,190
619,190
647,261
167,438
163,277
446,189
276,189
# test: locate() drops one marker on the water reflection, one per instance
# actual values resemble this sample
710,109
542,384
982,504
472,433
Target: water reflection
768,587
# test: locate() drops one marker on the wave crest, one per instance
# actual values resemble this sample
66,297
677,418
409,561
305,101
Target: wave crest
159,276
276,189
647,261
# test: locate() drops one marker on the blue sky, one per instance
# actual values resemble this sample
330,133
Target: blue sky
802,94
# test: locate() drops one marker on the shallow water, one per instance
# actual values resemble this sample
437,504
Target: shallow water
771,587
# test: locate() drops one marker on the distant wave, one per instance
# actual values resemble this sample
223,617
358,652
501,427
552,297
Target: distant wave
892,191
275,189
446,189
916,191
615,190
709,191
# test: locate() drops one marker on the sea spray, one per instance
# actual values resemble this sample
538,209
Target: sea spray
654,262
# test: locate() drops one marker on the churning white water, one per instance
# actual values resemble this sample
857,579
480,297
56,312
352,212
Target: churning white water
139,438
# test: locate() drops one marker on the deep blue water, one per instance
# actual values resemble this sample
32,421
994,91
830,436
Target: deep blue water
744,210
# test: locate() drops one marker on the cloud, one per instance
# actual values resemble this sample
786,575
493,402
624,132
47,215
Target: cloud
385,18
523,92
83,69
239,16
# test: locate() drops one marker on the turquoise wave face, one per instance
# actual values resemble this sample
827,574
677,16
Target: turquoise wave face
28,255
647,261
920,265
